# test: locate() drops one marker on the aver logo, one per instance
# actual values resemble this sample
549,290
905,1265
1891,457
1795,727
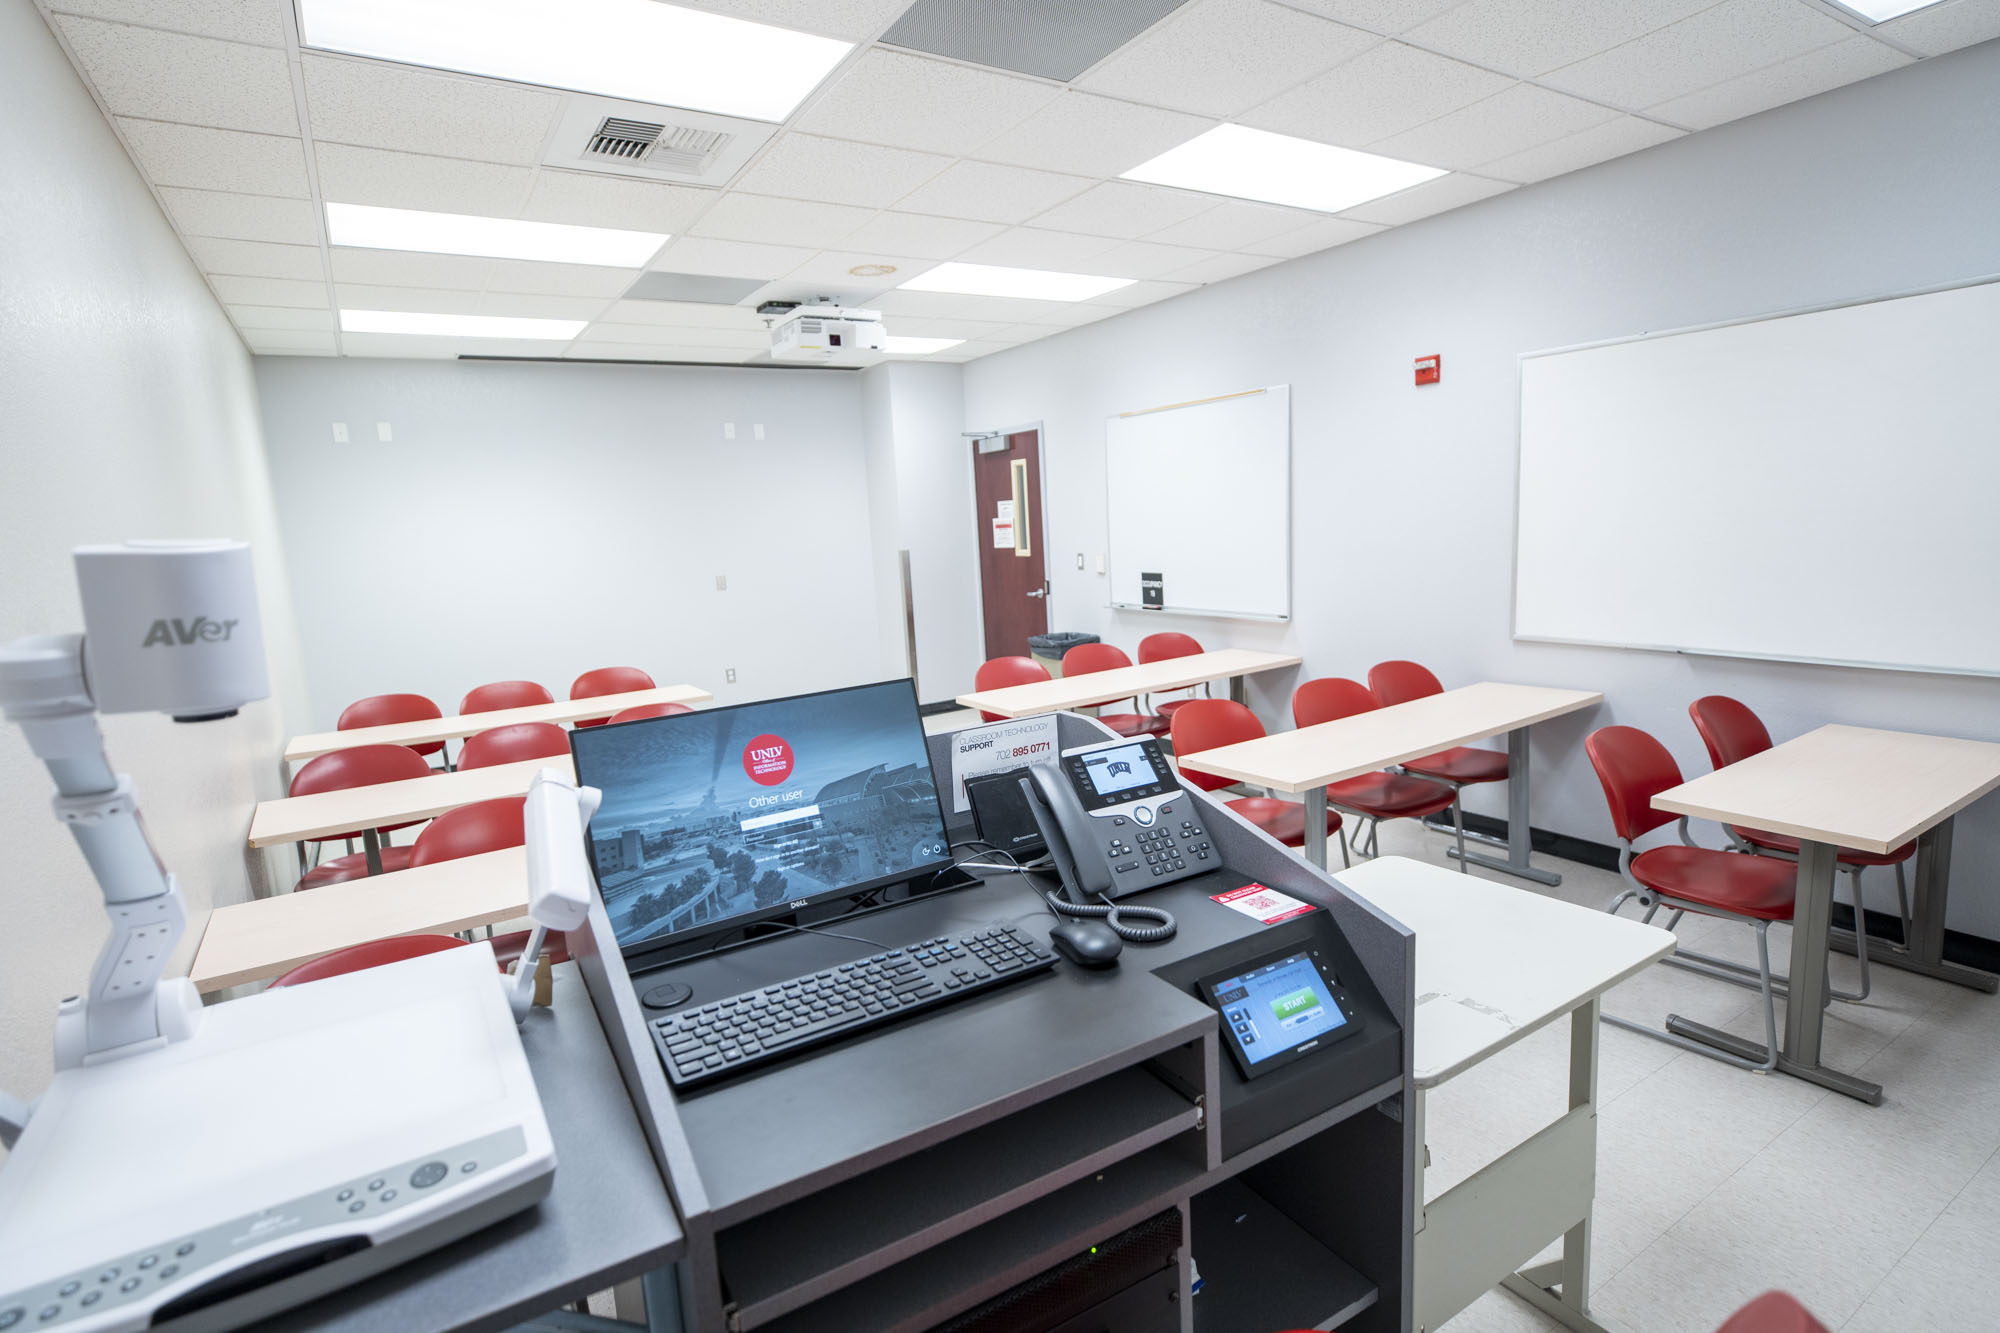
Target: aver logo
199,630
768,760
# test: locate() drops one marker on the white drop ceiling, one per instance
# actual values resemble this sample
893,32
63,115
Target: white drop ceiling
902,160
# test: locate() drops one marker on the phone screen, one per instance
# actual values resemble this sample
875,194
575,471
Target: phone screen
1120,769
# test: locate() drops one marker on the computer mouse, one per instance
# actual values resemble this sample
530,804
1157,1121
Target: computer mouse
1087,943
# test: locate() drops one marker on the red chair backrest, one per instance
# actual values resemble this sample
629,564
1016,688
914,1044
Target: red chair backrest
1329,699
1088,657
1773,1312
997,673
483,826
513,743
1205,724
1160,647
646,711
504,694
607,680
1398,682
358,766
1634,768
375,953
1729,729
379,710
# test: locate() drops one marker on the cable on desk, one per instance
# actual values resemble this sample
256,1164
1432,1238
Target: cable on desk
1114,916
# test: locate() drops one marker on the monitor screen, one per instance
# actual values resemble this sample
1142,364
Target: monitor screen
716,818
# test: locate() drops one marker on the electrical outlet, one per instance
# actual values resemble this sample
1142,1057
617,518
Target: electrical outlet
1079,560
722,583
340,432
729,676
758,430
728,430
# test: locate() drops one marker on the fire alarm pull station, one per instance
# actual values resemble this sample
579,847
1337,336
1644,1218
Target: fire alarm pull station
1429,368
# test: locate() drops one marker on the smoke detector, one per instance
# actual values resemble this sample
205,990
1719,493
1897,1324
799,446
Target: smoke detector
653,142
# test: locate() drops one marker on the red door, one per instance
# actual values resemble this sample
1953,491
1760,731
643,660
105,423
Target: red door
1007,486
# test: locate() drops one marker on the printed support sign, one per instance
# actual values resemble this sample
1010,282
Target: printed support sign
1265,905
1015,743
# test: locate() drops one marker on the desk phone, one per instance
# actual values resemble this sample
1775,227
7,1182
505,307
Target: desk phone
1117,821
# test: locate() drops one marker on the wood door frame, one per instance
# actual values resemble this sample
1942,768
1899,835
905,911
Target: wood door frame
979,534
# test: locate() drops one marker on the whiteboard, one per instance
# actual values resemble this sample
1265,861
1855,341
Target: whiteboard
1821,487
1200,495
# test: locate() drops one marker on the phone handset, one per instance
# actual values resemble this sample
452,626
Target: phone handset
1085,872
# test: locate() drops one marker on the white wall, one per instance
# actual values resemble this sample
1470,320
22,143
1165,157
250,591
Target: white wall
1404,497
535,520
129,410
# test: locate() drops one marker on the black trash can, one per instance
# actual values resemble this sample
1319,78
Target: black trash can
1048,649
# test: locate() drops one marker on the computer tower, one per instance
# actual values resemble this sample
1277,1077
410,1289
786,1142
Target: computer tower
1127,1284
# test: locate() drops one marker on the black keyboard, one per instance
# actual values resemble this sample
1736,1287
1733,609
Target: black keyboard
720,1040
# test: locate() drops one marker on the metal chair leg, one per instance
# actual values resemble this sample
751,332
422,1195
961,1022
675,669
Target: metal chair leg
1903,903
1458,827
1346,862
1768,990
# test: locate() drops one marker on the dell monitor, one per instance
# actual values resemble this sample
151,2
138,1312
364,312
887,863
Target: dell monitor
716,819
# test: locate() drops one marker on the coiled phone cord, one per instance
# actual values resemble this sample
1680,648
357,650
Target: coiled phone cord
1115,916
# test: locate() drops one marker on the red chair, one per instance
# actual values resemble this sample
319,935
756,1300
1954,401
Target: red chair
607,680
1372,796
359,957
1462,766
504,694
1732,734
357,766
380,710
1088,658
643,711
1634,768
1773,1312
1164,647
513,743
1207,724
486,826
997,673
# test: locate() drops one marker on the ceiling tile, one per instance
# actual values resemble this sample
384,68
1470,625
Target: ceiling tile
835,171
193,80
1125,209
1787,81
683,314
1015,334
1092,136
1144,259
418,111
1733,38
210,159
908,101
1145,293
408,345
350,175
524,275
1432,197
1530,37
530,305
967,351
1219,57
916,234
946,328
923,305
1222,268
258,22
1946,27
589,200
685,335
246,217
422,300
1513,121
832,268
1599,143
270,291
1234,225
1032,247
1316,236
849,20
405,268
280,317
1388,17
755,217
1005,310
589,347
257,259
729,259
989,193
1380,92
288,342
1069,315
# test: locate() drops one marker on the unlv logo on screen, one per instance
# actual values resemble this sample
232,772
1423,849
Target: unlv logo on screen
767,759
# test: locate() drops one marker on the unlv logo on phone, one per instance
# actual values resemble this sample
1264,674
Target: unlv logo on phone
768,760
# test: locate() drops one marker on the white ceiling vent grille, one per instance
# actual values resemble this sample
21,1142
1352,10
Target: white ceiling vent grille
650,142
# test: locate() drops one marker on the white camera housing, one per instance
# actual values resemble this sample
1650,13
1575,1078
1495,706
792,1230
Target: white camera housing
171,627
827,333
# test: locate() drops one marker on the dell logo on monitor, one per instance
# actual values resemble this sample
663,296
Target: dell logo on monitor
200,630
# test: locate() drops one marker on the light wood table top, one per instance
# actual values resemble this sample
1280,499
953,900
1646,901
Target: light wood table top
334,813
1494,963
1310,757
423,732
1103,687
1850,786
269,936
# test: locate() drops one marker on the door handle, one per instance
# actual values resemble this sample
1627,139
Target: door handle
1039,592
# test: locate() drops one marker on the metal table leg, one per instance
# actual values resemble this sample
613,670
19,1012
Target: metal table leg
371,843
1520,842
1315,825
1804,1017
1239,690
1923,952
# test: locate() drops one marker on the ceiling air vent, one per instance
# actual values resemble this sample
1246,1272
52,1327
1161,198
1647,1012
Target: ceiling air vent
627,139
632,139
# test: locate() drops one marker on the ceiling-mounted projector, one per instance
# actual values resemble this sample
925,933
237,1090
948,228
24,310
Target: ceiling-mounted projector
826,333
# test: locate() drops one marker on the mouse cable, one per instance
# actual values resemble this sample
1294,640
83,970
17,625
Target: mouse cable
1115,916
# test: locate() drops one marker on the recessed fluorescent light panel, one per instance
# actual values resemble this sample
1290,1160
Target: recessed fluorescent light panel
459,326
1881,11
917,346
1031,284
1278,169
372,228
640,50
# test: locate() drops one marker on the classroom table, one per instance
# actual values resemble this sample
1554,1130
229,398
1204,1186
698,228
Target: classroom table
426,730
1840,787
1495,963
265,937
1306,759
1103,687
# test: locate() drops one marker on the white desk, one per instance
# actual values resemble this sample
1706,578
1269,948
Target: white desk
425,730
1103,687
1494,964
